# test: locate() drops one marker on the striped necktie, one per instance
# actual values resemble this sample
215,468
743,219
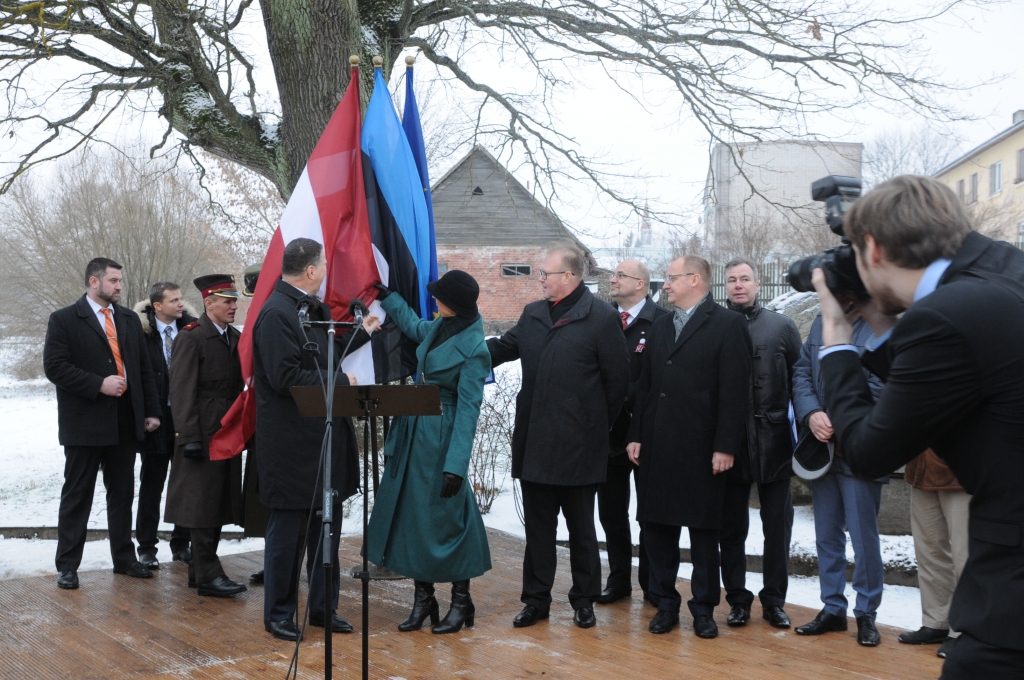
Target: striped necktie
115,348
168,340
625,318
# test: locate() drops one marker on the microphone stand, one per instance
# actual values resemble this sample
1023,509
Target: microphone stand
329,493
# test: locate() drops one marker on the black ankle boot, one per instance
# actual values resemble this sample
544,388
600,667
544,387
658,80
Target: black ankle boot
462,611
424,605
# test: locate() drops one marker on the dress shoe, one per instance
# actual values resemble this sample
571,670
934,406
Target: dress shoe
135,570
776,616
867,634
221,586
823,623
257,578
338,624
183,555
584,617
282,630
663,622
149,560
462,611
609,595
67,580
738,615
705,627
924,636
529,616
946,647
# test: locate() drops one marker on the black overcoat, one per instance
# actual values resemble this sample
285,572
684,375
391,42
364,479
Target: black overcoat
636,343
156,441
77,357
693,400
575,379
205,380
288,450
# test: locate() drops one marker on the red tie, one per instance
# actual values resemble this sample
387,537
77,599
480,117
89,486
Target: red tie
625,318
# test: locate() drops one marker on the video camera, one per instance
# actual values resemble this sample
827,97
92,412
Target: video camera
838,263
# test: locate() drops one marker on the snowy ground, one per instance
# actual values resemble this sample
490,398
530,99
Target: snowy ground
32,462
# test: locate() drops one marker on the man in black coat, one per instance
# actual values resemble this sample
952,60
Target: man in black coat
575,380
954,383
768,462
162,317
688,427
629,286
95,354
288,455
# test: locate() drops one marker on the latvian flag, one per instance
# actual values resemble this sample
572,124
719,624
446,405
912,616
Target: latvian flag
374,229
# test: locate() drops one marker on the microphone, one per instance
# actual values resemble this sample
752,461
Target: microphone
303,309
357,308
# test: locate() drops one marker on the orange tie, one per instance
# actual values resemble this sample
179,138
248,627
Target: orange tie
114,347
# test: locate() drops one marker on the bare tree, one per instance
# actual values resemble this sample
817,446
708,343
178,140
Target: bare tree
492,447
150,218
922,151
66,65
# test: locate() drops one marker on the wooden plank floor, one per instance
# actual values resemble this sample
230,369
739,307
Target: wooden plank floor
119,627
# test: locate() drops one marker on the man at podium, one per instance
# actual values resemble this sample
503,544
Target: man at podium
288,455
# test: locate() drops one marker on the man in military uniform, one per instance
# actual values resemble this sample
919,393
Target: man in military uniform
205,380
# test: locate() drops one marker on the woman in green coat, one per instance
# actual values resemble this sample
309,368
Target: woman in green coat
425,522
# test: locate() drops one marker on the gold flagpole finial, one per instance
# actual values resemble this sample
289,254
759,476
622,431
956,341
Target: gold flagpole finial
378,62
409,61
354,60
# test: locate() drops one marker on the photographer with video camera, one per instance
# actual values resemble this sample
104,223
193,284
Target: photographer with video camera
954,383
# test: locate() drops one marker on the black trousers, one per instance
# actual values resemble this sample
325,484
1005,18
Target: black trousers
81,466
777,523
613,510
541,504
152,478
282,557
662,543
971,658
205,565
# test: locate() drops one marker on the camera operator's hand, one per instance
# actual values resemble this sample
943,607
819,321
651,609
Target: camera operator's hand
835,326
821,426
193,450
451,485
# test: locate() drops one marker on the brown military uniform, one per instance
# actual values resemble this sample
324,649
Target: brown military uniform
205,380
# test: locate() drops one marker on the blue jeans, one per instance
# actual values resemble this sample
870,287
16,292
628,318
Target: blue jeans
843,502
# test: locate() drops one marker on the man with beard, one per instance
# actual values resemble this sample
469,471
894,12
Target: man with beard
289,446
95,354
629,287
205,380
768,462
162,317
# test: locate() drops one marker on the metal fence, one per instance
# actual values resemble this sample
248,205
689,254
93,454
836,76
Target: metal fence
771,274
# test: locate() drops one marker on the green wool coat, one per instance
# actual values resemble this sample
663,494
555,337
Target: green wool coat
414,531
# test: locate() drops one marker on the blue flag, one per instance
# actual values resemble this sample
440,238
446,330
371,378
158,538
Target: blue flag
414,133
399,221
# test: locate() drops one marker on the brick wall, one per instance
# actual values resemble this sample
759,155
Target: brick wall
502,298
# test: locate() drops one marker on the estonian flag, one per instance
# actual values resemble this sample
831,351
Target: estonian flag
399,224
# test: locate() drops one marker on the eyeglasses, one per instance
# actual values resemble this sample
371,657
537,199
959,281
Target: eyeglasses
620,275
543,275
669,278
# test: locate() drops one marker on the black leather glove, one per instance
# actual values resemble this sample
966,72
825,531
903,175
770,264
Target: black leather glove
451,485
382,291
193,450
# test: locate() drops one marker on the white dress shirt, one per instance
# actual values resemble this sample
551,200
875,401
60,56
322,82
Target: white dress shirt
633,311
98,311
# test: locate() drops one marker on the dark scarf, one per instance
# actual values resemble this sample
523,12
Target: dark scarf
749,311
450,327
561,307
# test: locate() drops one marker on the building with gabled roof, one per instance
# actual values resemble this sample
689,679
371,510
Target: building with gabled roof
489,225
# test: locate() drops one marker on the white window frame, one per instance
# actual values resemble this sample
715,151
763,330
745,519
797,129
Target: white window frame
516,271
995,178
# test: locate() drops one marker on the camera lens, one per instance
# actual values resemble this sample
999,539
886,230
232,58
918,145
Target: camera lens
799,276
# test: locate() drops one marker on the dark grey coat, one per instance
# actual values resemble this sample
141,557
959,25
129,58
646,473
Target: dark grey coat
288,445
693,400
77,357
575,379
776,343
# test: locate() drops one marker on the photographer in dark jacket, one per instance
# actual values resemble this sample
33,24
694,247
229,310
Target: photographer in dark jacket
289,446
954,383
630,283
162,317
776,343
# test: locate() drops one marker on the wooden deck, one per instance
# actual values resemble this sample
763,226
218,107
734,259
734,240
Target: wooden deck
118,627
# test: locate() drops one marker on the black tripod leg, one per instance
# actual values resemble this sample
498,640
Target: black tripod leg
368,423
